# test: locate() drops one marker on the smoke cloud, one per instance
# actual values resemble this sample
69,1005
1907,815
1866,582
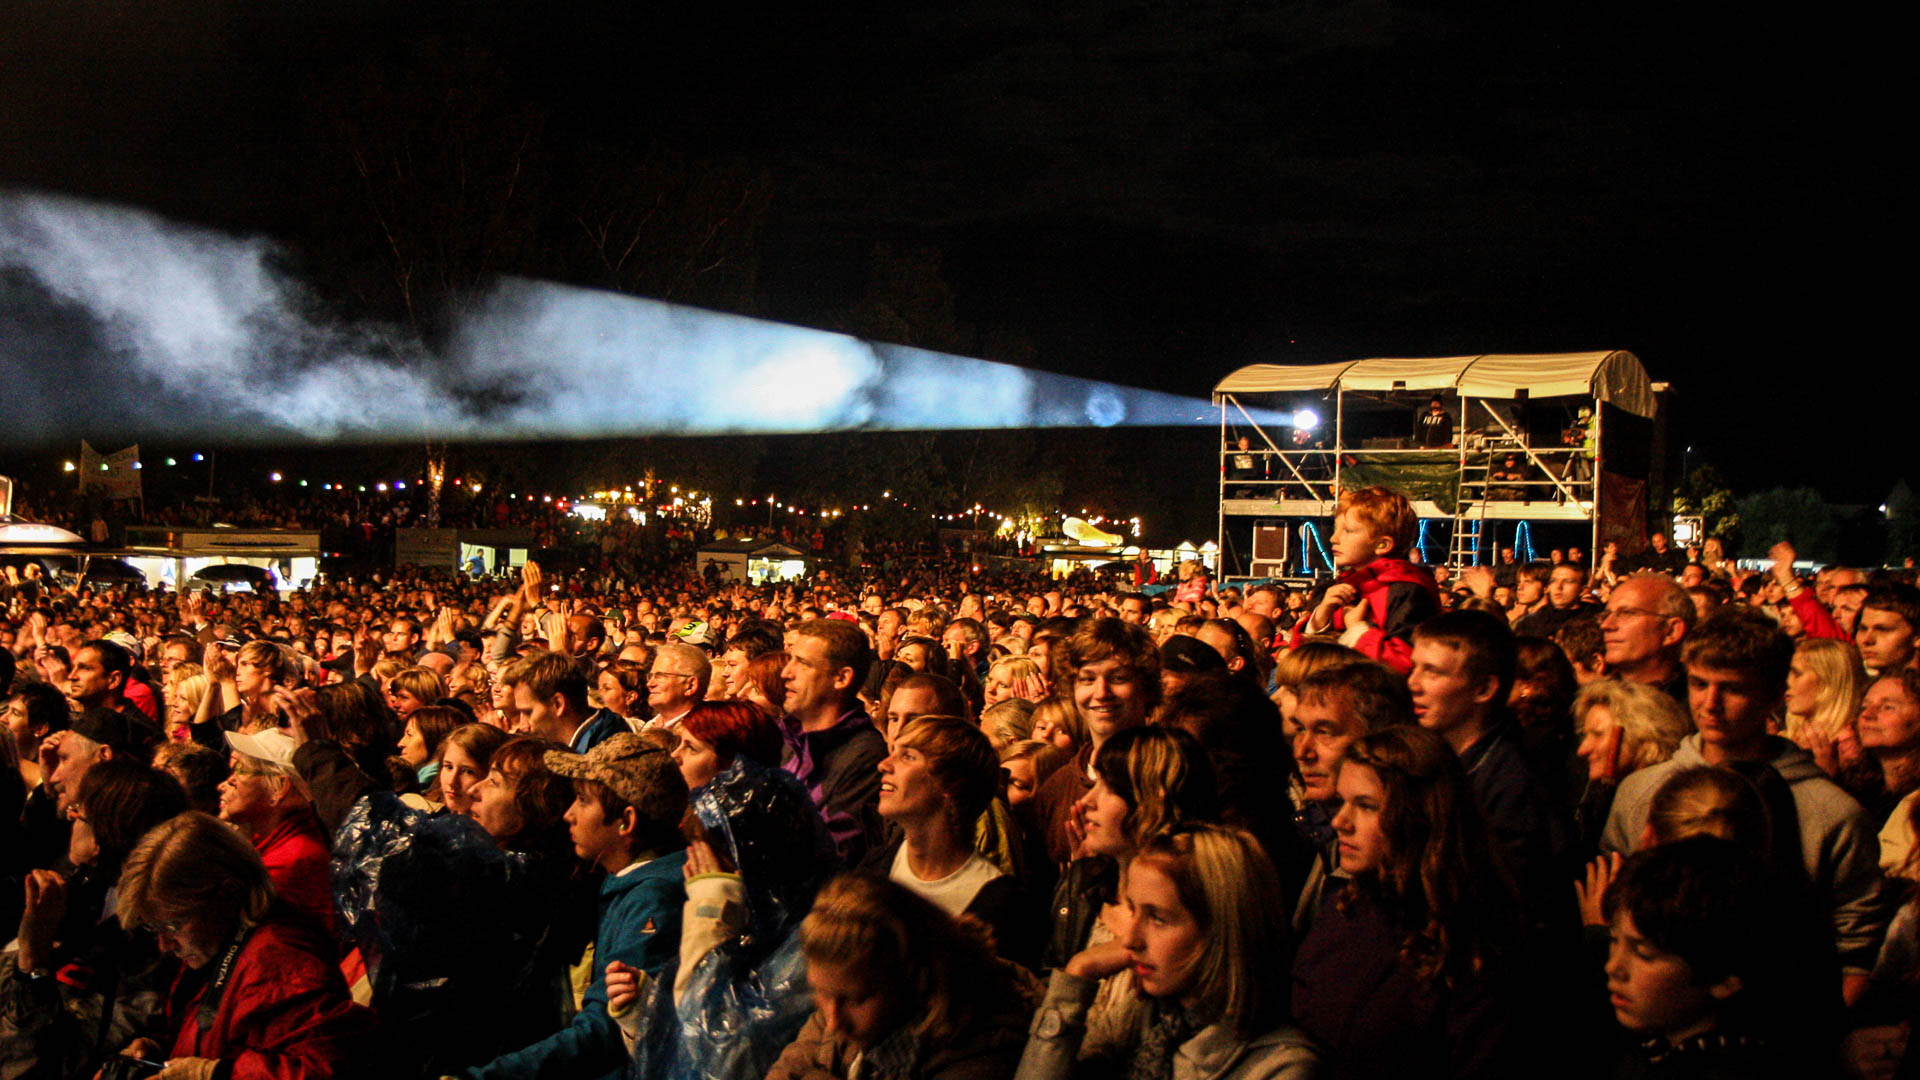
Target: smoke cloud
114,319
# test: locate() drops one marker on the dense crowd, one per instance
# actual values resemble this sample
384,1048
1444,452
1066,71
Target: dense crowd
1641,817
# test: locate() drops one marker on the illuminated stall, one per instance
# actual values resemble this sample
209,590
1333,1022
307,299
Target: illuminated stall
173,556
757,562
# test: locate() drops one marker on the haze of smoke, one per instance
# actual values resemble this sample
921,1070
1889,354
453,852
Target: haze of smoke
187,332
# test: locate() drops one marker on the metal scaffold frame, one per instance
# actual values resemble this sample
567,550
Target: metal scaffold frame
1302,483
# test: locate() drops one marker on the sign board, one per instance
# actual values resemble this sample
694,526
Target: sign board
426,547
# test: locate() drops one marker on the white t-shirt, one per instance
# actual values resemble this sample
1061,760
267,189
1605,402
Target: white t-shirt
952,893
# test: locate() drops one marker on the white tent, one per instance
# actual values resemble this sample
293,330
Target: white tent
1615,377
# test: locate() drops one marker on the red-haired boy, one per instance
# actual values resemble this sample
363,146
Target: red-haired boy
1380,596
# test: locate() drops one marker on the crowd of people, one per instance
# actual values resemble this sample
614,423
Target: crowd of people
1640,818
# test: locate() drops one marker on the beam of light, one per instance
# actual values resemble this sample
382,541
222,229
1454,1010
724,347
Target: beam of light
1306,419
198,333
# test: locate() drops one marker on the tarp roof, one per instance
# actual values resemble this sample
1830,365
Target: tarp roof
1615,377
750,547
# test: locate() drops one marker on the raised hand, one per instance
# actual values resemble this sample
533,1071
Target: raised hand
1592,892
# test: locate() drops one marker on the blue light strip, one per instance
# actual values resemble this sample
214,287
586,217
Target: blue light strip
1308,531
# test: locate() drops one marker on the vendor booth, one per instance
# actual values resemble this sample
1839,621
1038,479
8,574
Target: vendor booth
756,562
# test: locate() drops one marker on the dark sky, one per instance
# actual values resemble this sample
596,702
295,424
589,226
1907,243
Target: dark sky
1153,193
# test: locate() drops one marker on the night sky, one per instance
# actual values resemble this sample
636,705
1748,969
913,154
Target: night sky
1153,193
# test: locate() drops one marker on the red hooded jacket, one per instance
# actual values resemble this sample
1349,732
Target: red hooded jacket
1399,596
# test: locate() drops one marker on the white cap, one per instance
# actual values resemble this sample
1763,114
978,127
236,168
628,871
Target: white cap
273,746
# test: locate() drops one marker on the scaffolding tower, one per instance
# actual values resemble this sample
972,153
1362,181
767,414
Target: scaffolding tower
1551,437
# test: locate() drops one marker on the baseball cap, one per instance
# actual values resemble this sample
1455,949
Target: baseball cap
636,770
273,746
698,633
128,642
1183,653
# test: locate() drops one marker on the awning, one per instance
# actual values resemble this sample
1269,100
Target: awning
1615,377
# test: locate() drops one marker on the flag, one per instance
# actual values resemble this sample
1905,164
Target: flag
117,475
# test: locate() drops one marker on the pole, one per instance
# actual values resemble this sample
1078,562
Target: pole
1220,504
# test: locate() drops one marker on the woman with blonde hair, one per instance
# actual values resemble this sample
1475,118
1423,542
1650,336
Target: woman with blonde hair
246,683
1008,722
1206,943
1146,780
1622,727
1825,686
1015,677
1057,721
184,695
902,991
169,691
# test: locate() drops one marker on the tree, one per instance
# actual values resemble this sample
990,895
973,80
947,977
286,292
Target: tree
1705,494
1797,515
1903,524
659,224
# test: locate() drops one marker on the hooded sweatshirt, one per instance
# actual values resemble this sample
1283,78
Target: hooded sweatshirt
1837,841
1398,595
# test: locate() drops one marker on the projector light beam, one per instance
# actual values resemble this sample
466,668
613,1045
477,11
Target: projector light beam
189,333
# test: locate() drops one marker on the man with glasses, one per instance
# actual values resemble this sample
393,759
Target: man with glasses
1645,621
677,682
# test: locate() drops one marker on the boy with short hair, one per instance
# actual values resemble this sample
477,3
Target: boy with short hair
1707,958
629,798
1380,595
1736,665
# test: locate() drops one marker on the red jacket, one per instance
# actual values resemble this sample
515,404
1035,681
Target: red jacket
299,862
1815,619
1399,596
282,1012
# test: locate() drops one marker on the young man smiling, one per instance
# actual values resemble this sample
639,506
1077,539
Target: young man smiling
1115,675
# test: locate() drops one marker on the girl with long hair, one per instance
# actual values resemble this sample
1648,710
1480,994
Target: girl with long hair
1401,973
465,756
1205,944
1146,780
1825,685
903,991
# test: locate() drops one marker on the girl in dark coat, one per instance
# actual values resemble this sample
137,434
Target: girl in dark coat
1401,973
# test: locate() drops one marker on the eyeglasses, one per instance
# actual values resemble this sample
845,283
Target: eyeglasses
652,675
1622,612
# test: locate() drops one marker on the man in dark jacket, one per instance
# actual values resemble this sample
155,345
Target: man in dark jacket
832,745
1463,665
1565,583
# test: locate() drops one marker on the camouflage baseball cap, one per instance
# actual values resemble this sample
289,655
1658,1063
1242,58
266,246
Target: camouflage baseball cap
636,770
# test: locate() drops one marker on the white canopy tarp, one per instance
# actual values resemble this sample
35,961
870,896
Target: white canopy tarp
1616,377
